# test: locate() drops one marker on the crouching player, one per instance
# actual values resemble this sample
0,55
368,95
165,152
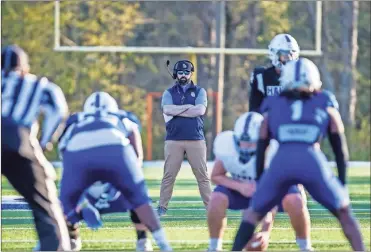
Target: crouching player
235,153
102,172
299,119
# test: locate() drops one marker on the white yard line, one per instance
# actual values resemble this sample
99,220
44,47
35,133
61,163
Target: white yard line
176,241
181,228
190,209
187,217
19,200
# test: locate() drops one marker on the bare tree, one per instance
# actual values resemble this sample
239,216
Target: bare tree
353,62
327,40
349,49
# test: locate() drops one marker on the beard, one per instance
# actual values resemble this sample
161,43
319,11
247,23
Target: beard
183,81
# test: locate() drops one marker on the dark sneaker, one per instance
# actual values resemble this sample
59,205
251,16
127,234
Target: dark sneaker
161,211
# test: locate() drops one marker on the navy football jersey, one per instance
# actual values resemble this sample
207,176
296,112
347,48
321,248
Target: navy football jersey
264,82
85,130
303,120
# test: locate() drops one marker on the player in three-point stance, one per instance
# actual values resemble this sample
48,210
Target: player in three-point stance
235,154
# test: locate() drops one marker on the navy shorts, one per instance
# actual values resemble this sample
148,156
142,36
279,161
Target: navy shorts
308,166
239,202
114,164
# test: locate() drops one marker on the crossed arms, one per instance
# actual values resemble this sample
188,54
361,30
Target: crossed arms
186,110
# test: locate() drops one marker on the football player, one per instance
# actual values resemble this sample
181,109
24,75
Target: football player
298,119
23,97
235,154
265,83
102,156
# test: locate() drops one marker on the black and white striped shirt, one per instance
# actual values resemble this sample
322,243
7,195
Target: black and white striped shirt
25,96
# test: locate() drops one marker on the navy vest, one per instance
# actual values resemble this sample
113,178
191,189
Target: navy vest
185,128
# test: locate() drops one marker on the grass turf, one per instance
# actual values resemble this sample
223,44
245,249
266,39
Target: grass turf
186,226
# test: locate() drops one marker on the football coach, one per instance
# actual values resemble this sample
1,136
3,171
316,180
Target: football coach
184,106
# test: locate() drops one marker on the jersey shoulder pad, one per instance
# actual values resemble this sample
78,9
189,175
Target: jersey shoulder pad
255,72
224,144
74,118
331,99
132,117
121,114
259,69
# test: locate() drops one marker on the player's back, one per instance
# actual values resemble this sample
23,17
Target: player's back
86,131
24,96
298,119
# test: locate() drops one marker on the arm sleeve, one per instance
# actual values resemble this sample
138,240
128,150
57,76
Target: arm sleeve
167,99
201,97
339,146
260,157
55,108
71,120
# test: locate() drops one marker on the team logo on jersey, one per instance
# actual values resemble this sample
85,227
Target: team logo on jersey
193,94
274,90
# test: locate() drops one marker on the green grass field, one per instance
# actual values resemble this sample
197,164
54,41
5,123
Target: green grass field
185,223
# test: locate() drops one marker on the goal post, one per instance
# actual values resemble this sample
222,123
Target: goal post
220,49
180,50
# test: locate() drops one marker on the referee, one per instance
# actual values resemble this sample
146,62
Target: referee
23,163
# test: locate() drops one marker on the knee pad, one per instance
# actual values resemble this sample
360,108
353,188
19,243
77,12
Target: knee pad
134,217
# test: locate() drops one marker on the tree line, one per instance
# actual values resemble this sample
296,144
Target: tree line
344,65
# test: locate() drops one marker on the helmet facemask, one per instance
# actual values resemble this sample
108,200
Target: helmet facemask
246,148
281,57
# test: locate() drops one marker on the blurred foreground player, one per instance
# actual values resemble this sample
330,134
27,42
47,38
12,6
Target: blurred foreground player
283,48
132,125
23,163
298,119
102,172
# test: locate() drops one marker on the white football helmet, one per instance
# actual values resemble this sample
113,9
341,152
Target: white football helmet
283,45
301,73
100,101
246,128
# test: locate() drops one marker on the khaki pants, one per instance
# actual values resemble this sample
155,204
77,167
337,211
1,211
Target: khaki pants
174,155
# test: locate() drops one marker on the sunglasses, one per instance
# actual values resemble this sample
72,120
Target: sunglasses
186,72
